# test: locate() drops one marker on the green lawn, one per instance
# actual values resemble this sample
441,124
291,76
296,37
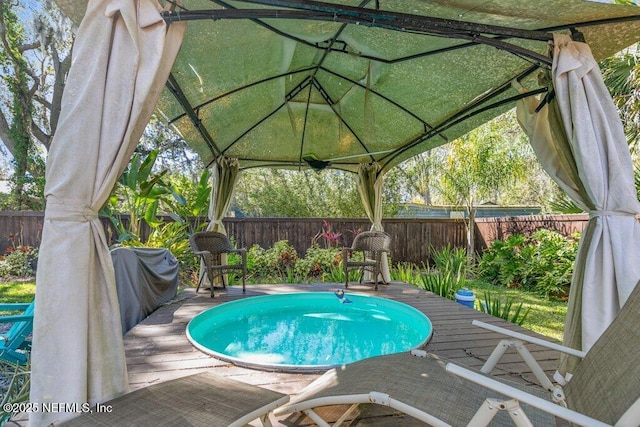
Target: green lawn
17,291
546,316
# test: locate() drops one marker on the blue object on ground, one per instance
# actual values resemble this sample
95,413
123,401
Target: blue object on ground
466,297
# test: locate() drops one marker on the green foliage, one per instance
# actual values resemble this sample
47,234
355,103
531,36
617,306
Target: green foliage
336,274
502,308
173,236
15,381
450,259
501,263
142,194
28,178
281,263
139,193
269,192
448,275
542,263
546,317
621,74
196,196
443,283
274,263
18,261
319,263
405,272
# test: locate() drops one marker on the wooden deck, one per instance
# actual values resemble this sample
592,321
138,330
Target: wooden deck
157,349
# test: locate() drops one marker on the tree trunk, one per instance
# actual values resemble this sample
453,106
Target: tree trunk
471,241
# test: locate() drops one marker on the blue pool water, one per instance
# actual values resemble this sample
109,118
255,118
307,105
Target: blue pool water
307,331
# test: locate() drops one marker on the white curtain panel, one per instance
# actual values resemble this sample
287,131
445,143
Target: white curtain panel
580,142
370,183
121,59
224,176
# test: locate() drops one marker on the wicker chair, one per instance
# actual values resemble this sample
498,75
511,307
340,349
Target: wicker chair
372,244
210,245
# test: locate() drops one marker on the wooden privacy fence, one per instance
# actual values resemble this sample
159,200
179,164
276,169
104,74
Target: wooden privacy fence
412,238
489,229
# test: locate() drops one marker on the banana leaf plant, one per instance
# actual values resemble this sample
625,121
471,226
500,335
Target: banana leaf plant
139,193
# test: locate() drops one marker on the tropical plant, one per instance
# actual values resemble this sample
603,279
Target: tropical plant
336,274
479,166
503,309
405,272
196,196
330,238
445,284
550,268
542,262
501,264
621,74
139,193
450,259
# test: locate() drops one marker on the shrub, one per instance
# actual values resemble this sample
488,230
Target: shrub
550,269
542,263
502,263
18,261
318,262
274,263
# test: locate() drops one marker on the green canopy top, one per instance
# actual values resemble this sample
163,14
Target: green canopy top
295,84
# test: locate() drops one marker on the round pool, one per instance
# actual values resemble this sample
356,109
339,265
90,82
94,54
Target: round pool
308,331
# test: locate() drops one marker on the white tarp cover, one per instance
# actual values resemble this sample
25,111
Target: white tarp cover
581,144
121,59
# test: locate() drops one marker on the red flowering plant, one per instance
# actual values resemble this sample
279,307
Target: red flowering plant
331,239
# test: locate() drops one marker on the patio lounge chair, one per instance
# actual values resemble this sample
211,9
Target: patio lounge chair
604,390
14,344
372,244
210,246
203,399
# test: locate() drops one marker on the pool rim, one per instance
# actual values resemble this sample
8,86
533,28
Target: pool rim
289,368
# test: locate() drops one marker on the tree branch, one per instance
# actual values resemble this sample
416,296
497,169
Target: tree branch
42,101
61,72
29,46
4,133
40,135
